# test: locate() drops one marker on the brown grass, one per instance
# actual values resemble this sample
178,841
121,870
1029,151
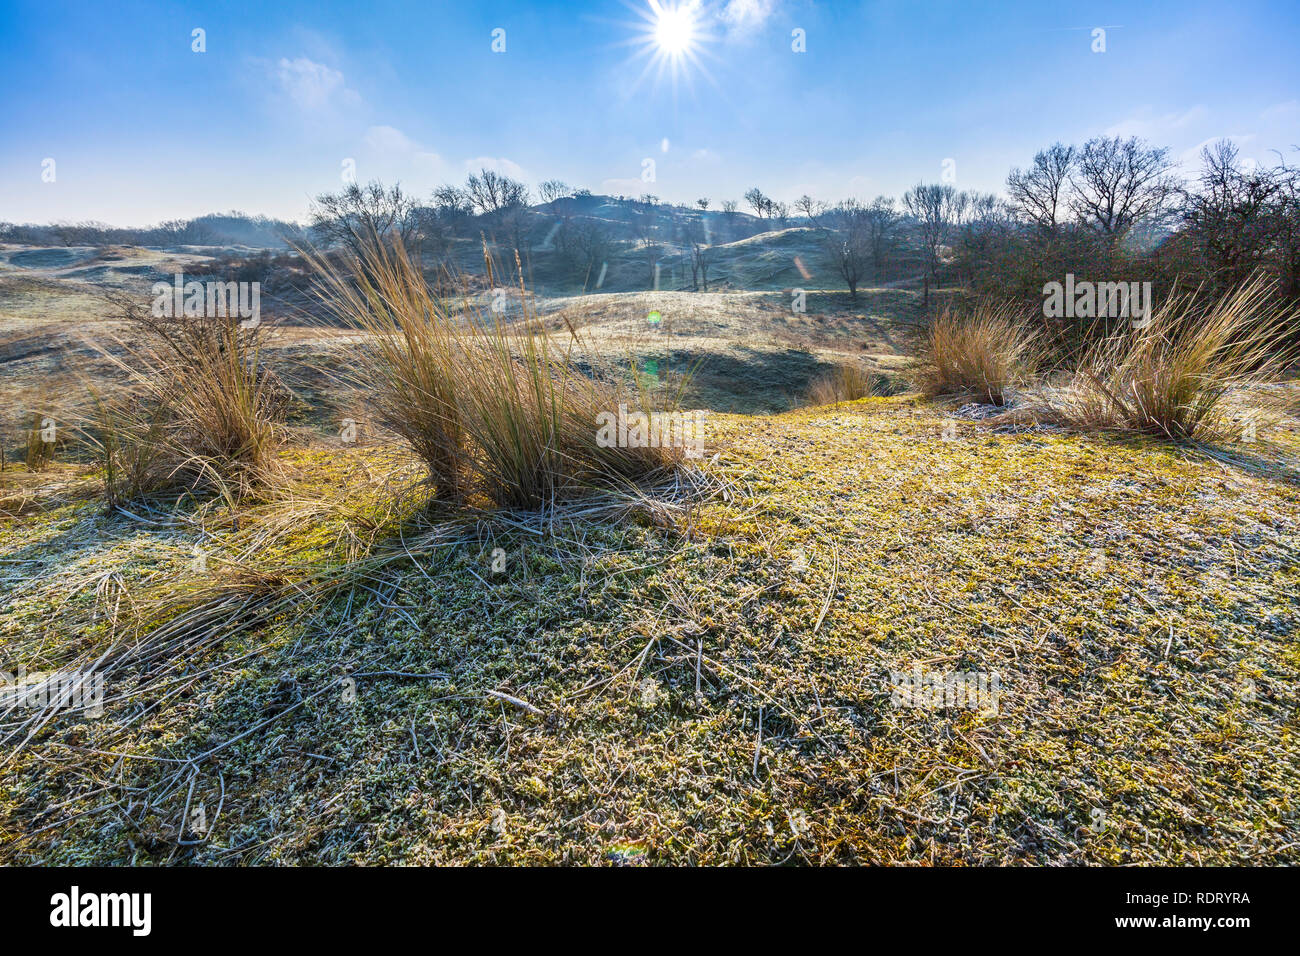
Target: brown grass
1174,376
196,410
39,452
847,383
981,353
492,406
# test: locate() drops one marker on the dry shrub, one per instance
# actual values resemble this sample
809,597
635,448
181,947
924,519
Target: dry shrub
194,408
1173,377
492,406
981,353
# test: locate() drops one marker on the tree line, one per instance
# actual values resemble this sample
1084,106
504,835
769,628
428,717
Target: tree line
1112,209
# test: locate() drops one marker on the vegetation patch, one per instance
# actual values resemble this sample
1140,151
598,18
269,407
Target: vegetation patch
709,681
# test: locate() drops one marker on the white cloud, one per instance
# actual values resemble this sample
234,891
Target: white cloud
1189,131
313,86
389,155
387,139
745,16
392,143
505,167
1190,158
1281,111
1148,125
862,187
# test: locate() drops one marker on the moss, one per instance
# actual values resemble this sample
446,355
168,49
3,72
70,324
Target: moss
1137,602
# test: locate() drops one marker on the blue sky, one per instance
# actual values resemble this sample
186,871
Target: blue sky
141,128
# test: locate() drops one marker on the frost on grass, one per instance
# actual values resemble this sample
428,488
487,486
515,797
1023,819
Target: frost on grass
707,683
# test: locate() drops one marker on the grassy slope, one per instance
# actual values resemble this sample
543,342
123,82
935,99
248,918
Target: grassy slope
1138,603
747,351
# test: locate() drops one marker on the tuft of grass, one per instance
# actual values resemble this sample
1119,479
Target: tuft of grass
847,383
410,370
197,408
981,353
491,405
1174,376
39,452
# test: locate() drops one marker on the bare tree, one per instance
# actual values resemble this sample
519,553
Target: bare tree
730,209
453,207
700,254
503,201
936,208
1119,183
514,221
1237,219
761,205
848,247
882,219
811,208
1288,253
1038,194
358,215
554,189
703,204
583,244
491,192
984,234
453,201
645,217
645,224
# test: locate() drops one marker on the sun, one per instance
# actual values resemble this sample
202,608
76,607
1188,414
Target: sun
672,37
674,29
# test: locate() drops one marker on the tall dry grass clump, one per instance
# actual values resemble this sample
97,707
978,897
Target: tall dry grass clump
1192,373
40,447
981,353
493,406
193,407
847,383
409,369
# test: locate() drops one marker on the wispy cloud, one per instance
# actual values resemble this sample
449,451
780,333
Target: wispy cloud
505,167
625,187
392,142
313,87
1150,125
1245,143
746,16
1290,110
389,155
